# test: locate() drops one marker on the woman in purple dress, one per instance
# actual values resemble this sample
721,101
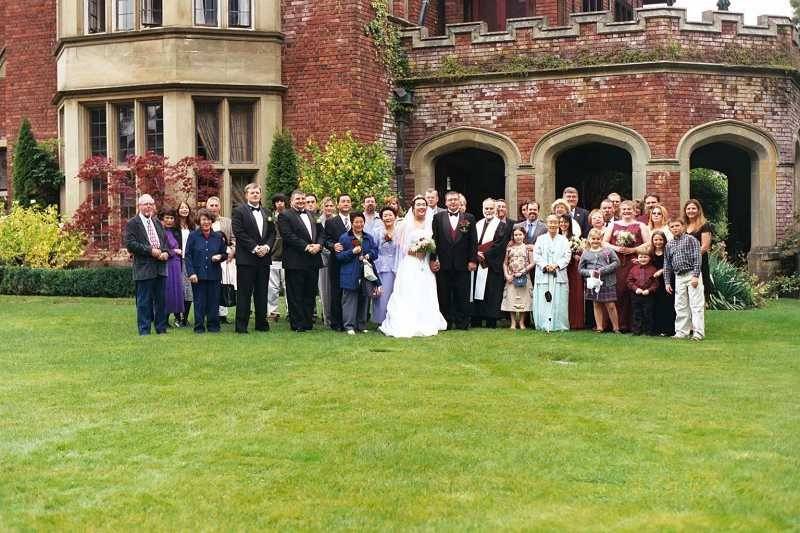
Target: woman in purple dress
173,288
386,262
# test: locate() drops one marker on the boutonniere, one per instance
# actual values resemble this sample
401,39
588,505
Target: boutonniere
463,226
269,218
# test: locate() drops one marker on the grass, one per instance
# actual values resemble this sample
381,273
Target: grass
102,429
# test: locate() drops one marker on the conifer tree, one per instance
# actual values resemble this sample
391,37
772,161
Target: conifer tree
35,176
283,171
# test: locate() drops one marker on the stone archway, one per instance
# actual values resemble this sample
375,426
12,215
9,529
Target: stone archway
423,158
559,140
763,152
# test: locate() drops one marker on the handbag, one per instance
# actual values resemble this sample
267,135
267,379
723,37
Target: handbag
520,281
369,272
227,292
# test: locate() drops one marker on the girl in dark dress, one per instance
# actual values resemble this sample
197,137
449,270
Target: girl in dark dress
698,227
664,304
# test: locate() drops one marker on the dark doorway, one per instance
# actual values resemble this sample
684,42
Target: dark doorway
736,164
596,170
477,174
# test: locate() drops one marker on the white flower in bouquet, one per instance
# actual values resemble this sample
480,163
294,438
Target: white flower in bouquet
576,244
423,245
626,239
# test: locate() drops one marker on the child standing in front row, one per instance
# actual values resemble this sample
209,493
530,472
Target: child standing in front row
642,283
518,293
601,262
682,259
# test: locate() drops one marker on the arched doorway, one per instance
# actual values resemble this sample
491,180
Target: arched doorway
426,157
477,174
588,132
595,169
736,165
736,137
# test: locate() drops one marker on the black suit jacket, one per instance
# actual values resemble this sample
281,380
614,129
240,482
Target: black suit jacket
138,244
581,216
295,239
245,231
454,254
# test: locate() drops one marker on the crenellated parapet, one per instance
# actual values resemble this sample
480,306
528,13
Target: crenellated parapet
595,38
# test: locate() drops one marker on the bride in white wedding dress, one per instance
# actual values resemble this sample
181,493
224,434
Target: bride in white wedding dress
413,309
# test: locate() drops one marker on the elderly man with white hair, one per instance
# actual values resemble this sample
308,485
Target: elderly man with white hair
146,241
487,281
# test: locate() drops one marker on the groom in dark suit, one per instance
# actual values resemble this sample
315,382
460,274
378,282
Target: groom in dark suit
302,244
146,241
456,256
254,231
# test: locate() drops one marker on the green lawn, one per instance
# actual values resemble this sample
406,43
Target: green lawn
102,429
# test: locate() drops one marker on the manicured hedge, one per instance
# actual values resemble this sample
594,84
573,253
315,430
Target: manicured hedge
109,282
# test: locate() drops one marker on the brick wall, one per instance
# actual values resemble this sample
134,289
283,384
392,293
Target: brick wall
29,36
335,81
661,107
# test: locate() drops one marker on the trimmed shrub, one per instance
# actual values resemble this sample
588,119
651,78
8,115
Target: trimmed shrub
110,282
784,287
283,171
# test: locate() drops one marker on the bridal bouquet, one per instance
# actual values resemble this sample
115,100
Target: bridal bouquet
576,244
626,239
423,245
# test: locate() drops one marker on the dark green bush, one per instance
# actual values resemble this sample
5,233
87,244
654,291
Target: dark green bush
110,282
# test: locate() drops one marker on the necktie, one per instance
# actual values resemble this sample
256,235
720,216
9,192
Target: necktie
151,235
347,224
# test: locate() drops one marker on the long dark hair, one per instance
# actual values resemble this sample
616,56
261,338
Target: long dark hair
568,219
188,220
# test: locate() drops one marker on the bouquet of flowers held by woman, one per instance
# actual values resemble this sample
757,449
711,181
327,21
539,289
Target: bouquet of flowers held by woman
576,244
422,246
626,239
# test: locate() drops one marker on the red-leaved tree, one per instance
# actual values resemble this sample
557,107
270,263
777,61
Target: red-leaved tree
113,191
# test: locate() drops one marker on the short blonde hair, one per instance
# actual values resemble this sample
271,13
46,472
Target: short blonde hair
558,202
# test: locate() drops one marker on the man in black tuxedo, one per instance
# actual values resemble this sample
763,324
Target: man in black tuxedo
254,231
302,244
456,256
578,214
146,241
334,228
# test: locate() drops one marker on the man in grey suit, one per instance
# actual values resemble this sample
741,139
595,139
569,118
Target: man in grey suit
532,226
146,241
432,199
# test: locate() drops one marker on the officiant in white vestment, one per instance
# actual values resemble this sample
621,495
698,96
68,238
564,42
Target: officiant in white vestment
487,282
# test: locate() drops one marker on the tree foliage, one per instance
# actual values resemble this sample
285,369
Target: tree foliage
346,165
35,237
114,189
36,176
711,188
283,172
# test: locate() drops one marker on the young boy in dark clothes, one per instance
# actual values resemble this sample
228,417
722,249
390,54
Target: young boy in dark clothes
643,287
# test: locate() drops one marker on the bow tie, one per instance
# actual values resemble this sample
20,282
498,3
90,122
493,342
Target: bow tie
254,208
453,214
301,211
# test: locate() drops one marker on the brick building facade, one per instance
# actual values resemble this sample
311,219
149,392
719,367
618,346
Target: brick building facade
512,98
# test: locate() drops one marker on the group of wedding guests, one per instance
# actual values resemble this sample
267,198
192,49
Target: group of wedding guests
625,266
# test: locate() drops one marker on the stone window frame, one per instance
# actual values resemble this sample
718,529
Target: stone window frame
223,16
112,105
224,164
110,15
